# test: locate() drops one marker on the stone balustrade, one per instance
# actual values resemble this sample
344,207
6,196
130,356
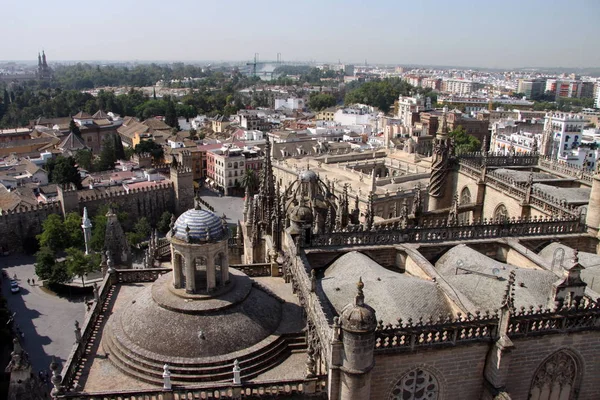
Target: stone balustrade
309,387
139,275
443,231
72,365
483,327
253,270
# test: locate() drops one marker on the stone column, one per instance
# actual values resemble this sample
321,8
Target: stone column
211,279
190,274
176,270
225,267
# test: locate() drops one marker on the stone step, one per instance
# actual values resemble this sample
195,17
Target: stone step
217,367
154,375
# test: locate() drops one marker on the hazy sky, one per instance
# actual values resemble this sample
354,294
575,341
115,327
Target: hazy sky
485,33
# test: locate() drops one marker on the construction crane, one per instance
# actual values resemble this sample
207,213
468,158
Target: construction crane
257,62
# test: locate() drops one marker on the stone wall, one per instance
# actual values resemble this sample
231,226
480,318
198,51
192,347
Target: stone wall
17,226
459,370
149,203
529,353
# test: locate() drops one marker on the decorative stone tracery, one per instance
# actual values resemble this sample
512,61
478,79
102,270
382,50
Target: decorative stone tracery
416,384
555,378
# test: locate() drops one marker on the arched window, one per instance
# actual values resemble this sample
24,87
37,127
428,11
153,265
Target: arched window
501,213
417,384
465,196
555,378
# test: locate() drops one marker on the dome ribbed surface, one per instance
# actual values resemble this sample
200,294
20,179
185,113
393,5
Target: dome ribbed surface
200,222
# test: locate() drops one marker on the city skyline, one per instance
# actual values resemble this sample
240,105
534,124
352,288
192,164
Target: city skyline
461,34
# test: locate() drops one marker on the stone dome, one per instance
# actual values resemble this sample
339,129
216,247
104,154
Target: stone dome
200,222
301,213
308,176
358,316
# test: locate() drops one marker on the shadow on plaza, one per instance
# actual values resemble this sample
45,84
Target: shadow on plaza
31,340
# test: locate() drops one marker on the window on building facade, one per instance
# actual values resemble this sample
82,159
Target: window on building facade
501,213
555,378
465,196
418,384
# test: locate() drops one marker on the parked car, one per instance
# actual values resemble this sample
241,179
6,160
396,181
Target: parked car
14,286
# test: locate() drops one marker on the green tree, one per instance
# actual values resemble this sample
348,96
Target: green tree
119,150
74,128
164,222
150,146
321,101
107,158
63,170
60,274
84,159
463,142
74,233
44,262
171,114
80,264
379,93
54,235
141,231
249,180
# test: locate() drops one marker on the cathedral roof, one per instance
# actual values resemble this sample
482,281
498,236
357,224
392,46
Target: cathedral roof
391,294
483,280
167,333
200,225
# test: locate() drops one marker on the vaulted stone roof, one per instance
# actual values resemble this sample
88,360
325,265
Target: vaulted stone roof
483,280
392,294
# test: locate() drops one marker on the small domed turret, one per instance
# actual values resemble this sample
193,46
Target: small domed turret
358,316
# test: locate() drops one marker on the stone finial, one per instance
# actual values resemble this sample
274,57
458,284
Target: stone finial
166,377
96,294
109,262
56,378
187,234
509,293
359,300
313,280
77,332
237,380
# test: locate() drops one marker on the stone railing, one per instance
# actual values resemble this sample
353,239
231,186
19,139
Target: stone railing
571,170
500,159
312,303
260,269
71,367
139,275
307,388
408,336
487,229
449,331
506,185
163,250
518,190
539,321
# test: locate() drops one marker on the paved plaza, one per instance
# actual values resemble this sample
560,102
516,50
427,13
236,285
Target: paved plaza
232,207
46,320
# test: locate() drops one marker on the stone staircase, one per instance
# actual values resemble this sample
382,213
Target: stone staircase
252,363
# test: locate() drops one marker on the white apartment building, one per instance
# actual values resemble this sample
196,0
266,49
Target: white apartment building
518,142
597,94
459,86
566,132
291,103
409,105
355,115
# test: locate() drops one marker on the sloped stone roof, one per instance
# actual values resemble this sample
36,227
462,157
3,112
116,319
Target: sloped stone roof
483,280
393,295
